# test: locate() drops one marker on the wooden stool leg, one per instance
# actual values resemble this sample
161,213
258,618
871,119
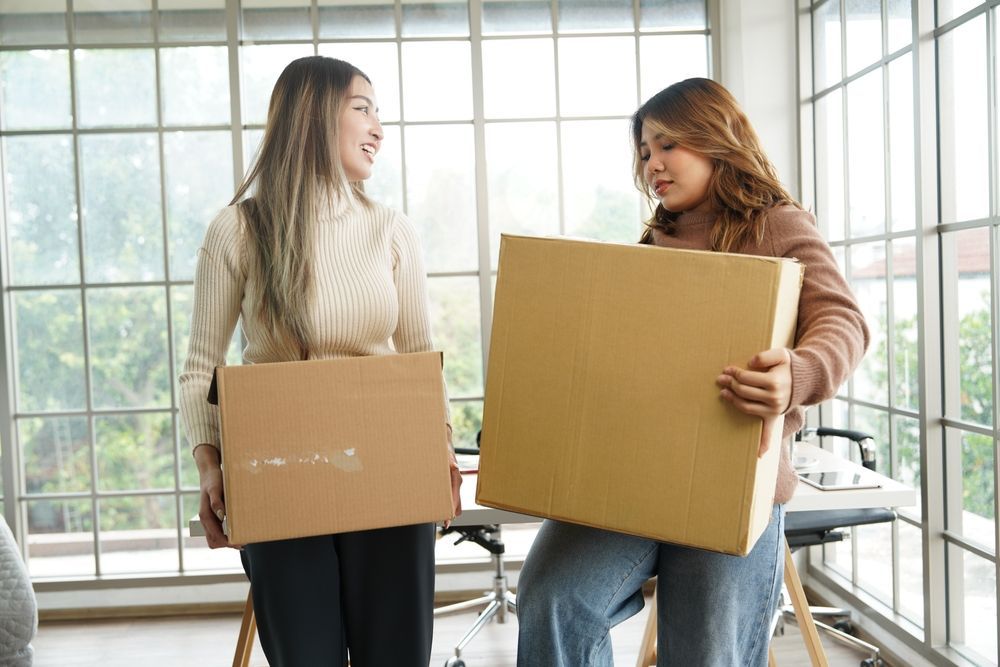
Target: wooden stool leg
771,660
244,645
647,649
802,614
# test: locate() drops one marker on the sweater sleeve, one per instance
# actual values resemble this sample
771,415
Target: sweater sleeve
413,331
831,336
218,291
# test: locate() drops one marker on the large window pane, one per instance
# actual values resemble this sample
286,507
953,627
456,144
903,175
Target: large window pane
50,366
138,534
667,59
902,170
600,199
667,14
968,324
198,182
60,538
103,21
34,88
911,573
527,16
195,85
866,151
41,209
830,212
37,22
906,387
595,15
357,18
386,183
900,28
906,466
975,625
949,9
978,498
868,280
584,60
826,59
120,175
128,347
875,559
134,452
466,420
380,62
864,33
434,19
962,98
261,65
276,19
182,20
523,194
455,311
440,187
115,87
437,81
56,454
519,78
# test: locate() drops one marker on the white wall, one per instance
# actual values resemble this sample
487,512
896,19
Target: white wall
758,65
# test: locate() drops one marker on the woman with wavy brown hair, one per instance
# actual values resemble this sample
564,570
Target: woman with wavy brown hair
313,269
697,156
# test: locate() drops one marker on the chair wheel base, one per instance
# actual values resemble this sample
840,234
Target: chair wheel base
454,662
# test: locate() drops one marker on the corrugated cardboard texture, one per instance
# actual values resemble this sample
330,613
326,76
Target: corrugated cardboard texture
601,404
318,447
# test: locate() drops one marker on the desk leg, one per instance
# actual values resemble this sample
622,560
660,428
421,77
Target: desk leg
807,627
244,645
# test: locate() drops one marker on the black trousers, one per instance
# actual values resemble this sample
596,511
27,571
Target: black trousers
368,593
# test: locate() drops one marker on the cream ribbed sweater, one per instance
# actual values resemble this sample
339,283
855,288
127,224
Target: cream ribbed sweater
370,288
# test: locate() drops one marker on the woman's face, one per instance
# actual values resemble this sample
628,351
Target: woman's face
360,131
679,176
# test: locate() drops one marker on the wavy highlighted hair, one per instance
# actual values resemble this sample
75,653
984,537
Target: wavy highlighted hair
702,116
298,167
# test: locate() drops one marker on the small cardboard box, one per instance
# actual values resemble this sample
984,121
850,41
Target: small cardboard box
601,404
319,447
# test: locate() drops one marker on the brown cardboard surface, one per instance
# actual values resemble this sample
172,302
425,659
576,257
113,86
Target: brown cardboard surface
601,404
318,447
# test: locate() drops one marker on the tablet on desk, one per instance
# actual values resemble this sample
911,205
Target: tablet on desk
838,479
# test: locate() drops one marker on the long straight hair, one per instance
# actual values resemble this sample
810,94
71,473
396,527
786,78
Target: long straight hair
298,168
701,115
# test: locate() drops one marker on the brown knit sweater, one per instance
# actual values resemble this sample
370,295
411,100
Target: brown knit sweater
831,337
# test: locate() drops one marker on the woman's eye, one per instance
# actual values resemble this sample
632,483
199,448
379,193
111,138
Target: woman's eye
643,158
668,147
363,110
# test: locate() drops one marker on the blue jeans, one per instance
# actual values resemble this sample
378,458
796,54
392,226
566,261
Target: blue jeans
579,582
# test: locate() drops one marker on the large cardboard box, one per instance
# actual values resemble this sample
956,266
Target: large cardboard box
318,447
601,404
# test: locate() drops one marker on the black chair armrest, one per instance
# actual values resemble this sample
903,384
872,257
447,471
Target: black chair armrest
864,441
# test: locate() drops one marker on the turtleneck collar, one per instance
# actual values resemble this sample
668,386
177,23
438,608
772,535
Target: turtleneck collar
690,218
331,205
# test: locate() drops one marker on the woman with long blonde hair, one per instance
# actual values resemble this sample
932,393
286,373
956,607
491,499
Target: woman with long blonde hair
315,270
697,156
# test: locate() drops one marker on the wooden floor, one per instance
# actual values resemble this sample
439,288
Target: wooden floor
209,640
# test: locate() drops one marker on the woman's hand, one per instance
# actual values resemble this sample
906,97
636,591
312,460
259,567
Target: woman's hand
763,389
213,507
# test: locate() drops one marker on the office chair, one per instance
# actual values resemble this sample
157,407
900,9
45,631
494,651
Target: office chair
806,529
498,601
